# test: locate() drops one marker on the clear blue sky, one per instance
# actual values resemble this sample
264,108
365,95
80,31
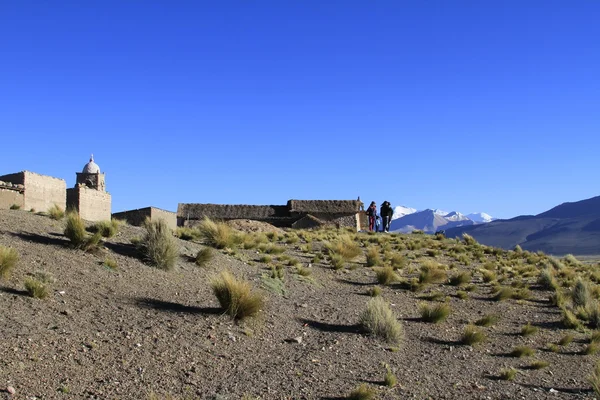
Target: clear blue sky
459,105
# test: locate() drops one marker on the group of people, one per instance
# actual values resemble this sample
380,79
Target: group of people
380,222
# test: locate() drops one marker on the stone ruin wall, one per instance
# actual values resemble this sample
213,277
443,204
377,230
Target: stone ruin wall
39,192
137,217
10,196
94,205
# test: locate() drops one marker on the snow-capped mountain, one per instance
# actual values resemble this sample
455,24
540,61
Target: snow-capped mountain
480,218
401,211
408,219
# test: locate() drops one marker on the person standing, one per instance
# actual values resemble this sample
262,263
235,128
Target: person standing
386,213
372,213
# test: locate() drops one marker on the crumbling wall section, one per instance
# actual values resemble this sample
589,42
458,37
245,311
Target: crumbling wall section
42,191
92,205
10,196
137,217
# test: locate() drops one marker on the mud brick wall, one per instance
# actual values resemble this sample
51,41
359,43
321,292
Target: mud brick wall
137,217
42,192
8,197
92,205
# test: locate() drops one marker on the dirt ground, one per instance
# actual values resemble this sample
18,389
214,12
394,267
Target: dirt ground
137,330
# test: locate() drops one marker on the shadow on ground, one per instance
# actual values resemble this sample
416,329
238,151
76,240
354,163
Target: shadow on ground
326,327
14,291
41,239
168,306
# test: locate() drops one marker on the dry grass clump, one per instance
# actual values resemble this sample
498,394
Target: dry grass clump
36,288
472,335
522,351
389,379
569,320
436,313
76,233
110,263
345,247
488,275
159,245
566,339
8,260
303,271
216,234
107,229
487,320
373,257
528,330
204,256
386,275
186,233
374,291
363,392
56,212
504,293
431,273
460,278
581,294
591,348
337,261
538,364
508,374
547,279
236,296
379,320
398,261
469,240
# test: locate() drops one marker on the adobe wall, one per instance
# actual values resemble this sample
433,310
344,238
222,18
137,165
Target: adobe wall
17,178
8,197
42,191
92,205
137,217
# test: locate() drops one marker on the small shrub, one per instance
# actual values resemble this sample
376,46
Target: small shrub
461,294
216,234
521,294
363,392
236,296
488,276
159,245
566,339
471,336
337,261
186,233
110,263
571,260
594,379
430,274
553,348
8,259
468,239
591,348
569,320
204,256
15,207
55,212
302,271
386,275
373,257
508,374
547,280
460,278
345,247
437,313
265,259
271,249
374,291
36,288
379,320
528,330
522,351
557,298
76,233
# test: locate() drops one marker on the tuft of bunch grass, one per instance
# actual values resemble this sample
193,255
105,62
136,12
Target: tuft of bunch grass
345,247
547,279
235,296
460,278
390,379
373,257
363,392
504,293
374,291
522,351
594,379
508,374
159,245
110,263
56,212
569,320
216,234
107,228
76,233
468,239
472,336
379,320
591,348
8,260
337,261
36,288
488,276
595,337
581,294
431,274
436,313
566,339
386,275
538,364
528,330
204,256
303,271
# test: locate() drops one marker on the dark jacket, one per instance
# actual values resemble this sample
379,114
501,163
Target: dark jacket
386,210
372,211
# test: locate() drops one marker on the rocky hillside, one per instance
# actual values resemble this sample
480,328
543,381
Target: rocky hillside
474,322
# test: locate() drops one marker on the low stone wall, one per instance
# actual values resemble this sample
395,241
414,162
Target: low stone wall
40,191
137,217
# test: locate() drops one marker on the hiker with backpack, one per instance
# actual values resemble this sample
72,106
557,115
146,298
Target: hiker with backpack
386,212
372,213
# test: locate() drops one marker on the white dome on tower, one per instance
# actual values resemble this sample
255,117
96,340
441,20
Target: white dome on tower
91,167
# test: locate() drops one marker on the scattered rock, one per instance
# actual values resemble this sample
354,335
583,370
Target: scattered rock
11,390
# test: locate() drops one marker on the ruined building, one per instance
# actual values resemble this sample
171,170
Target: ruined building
137,217
295,214
31,191
89,196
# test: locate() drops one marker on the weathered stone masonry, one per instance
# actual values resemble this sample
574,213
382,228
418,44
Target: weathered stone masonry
37,192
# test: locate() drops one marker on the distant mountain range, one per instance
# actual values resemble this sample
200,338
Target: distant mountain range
568,228
407,219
